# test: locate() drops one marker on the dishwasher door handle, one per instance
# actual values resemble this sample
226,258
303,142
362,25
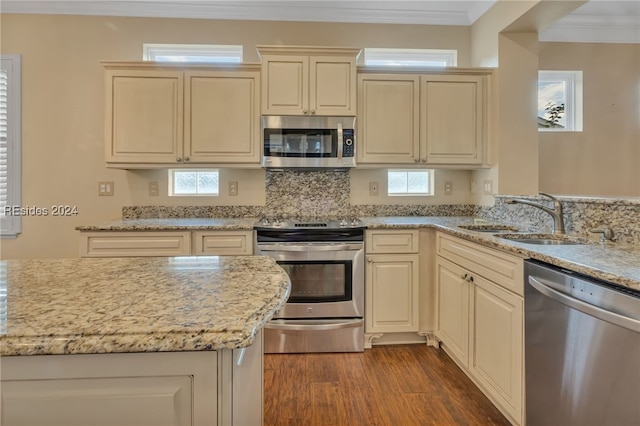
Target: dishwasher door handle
587,308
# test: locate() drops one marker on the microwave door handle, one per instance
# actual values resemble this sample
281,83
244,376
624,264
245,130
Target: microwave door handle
340,141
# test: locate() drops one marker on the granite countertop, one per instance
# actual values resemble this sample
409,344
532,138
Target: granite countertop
610,261
613,262
79,306
169,224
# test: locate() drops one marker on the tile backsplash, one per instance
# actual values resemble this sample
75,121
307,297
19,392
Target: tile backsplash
325,194
581,215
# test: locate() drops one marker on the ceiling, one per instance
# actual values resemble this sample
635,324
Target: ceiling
613,21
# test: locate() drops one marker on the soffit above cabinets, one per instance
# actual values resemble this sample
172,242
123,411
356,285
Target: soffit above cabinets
607,21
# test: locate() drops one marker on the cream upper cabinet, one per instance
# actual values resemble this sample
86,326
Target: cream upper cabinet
222,112
422,119
166,115
452,119
144,115
308,81
480,318
388,118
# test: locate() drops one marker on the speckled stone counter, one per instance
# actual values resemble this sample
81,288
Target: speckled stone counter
613,262
173,224
82,306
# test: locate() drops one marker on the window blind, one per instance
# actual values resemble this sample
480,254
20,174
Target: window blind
10,126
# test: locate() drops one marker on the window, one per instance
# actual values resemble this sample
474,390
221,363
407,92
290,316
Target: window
10,141
411,57
410,182
192,53
193,182
560,101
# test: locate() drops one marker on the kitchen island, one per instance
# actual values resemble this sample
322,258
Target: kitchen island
172,340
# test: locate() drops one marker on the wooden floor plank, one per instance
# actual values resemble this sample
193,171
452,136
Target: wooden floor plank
401,385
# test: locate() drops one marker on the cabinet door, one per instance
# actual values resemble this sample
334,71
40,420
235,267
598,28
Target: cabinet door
285,85
222,243
452,119
391,291
332,86
496,358
142,243
452,309
388,112
144,116
222,114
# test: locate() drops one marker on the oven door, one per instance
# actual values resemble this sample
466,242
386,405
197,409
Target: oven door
327,279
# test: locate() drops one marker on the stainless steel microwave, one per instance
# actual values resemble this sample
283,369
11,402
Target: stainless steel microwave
305,143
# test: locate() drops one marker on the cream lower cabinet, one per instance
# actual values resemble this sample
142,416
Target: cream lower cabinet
181,117
163,388
480,322
420,119
391,283
166,243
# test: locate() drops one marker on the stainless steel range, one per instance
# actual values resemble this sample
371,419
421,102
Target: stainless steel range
325,262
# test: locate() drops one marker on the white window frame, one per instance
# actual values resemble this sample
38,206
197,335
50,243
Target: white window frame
10,218
573,102
171,176
211,53
430,181
374,56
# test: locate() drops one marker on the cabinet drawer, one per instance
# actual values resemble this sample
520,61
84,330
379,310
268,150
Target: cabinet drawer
218,243
392,241
501,268
125,244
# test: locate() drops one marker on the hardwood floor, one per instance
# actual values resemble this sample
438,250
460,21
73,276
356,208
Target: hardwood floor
388,386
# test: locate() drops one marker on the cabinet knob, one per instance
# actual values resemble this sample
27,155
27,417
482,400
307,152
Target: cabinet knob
464,276
304,111
313,111
179,159
416,160
369,259
424,160
186,158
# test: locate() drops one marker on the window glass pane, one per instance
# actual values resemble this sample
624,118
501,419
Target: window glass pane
224,53
560,101
207,183
552,99
418,182
410,57
194,182
397,182
184,183
410,182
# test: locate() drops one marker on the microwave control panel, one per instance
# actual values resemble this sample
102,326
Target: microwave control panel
348,146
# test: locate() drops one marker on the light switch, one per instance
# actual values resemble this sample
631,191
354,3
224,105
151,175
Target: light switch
373,189
105,188
448,187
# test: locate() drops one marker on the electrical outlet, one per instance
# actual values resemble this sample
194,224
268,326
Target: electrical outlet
233,188
153,188
448,187
105,189
488,187
474,186
373,189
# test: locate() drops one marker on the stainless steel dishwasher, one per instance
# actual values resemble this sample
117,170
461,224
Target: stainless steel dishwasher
582,350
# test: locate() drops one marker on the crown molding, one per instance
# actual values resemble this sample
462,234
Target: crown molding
593,29
356,11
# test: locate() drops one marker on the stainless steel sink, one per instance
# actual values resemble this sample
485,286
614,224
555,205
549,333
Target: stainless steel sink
488,227
542,239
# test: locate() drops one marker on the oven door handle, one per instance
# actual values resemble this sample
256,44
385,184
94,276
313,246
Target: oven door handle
318,325
309,247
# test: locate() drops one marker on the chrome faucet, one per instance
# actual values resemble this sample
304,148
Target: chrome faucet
555,212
